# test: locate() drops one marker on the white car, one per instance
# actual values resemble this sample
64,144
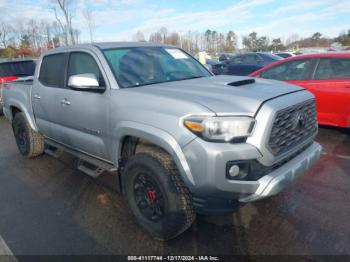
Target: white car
285,54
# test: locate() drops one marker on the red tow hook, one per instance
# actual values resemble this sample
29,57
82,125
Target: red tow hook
152,195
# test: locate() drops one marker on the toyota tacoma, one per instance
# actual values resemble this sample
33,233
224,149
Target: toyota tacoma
180,140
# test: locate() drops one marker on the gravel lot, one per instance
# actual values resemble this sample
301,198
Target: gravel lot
48,207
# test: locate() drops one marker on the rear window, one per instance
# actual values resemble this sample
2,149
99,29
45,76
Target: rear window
18,68
333,68
52,70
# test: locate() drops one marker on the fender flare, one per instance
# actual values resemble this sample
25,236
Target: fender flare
156,136
14,103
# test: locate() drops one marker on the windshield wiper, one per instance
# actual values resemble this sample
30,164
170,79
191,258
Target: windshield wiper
192,77
165,81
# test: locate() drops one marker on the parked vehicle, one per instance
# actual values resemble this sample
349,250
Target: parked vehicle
10,70
225,57
285,54
214,66
326,75
179,139
244,64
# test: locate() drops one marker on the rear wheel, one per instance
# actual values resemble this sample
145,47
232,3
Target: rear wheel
29,142
156,194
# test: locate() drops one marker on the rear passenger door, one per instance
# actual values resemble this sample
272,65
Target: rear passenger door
51,79
331,86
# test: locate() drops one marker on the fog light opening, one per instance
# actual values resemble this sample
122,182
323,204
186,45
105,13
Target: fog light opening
237,170
234,171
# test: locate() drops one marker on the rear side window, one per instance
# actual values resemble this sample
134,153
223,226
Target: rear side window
236,60
333,68
83,63
52,70
292,70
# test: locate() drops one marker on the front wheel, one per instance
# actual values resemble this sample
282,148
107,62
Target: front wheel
29,142
156,195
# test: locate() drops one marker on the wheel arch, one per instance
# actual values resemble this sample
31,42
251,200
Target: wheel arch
129,134
20,108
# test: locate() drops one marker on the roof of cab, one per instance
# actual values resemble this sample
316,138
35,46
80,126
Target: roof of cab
106,45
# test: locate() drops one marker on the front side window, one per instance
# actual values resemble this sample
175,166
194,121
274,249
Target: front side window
292,70
333,68
250,59
139,66
52,70
83,63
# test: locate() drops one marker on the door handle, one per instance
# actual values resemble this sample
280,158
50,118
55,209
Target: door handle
37,97
65,102
347,86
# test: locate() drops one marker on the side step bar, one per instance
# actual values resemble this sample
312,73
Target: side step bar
89,168
87,164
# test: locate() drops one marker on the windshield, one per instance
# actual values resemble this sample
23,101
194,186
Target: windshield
139,66
23,68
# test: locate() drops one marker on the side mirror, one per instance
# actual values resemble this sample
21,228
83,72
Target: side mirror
83,81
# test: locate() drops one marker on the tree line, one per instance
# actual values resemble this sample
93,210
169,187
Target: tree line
218,42
29,38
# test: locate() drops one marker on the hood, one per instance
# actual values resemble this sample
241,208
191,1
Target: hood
217,95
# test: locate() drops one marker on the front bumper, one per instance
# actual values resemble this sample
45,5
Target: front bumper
275,182
212,189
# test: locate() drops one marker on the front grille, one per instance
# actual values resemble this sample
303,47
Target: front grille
293,126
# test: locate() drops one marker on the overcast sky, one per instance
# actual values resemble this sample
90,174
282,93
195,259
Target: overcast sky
118,20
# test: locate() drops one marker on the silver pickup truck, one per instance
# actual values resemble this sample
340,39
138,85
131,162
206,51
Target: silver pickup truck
180,140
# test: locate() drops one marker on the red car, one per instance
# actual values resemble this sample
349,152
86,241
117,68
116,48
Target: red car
326,75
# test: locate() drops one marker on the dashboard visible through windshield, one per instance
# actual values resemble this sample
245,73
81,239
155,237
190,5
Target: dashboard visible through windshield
140,66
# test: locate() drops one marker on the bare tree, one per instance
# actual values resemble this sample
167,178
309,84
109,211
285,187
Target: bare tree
231,41
60,28
87,13
5,34
164,33
156,37
139,37
65,6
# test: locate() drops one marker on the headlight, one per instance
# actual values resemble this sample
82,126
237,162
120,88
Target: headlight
220,128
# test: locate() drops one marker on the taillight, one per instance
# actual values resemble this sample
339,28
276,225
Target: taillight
6,79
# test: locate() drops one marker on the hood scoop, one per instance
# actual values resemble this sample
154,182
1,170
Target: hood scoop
242,82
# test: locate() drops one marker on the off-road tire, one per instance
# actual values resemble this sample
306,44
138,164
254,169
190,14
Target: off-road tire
29,142
178,213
